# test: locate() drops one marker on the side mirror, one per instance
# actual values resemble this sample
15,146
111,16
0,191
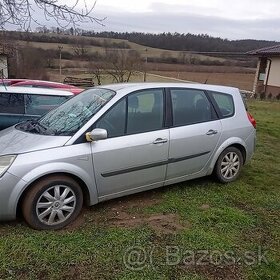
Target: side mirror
96,134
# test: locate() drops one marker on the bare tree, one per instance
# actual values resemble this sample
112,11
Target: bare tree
121,64
80,48
97,70
22,13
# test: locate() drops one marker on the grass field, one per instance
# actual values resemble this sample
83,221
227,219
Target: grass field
161,234
240,80
243,81
143,50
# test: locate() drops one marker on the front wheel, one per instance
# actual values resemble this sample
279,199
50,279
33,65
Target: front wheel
228,165
52,203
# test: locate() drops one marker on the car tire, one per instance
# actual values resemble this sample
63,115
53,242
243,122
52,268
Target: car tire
228,165
52,203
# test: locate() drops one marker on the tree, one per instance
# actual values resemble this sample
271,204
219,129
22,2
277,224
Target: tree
121,64
22,13
97,70
79,48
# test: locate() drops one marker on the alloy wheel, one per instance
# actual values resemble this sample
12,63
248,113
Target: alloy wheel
230,165
56,205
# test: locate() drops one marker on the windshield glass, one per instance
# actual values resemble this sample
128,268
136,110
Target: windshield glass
68,118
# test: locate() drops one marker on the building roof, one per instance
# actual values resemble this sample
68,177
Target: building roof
273,50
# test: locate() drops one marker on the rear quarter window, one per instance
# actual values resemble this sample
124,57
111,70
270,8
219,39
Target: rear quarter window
224,103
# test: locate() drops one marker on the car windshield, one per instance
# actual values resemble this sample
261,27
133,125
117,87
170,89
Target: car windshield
68,118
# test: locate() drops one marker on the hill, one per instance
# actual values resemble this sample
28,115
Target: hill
185,42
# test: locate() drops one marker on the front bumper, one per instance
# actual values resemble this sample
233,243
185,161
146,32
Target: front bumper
11,188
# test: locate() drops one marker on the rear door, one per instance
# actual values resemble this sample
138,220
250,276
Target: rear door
11,109
194,135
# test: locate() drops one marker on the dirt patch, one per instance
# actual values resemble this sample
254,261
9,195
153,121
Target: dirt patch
128,212
161,224
79,222
166,224
204,207
118,212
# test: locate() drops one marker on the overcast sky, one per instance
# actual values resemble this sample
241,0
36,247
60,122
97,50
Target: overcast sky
238,19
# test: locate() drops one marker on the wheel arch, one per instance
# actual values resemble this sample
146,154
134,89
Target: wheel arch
82,184
232,142
241,149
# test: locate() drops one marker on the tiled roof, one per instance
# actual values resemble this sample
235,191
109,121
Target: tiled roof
274,50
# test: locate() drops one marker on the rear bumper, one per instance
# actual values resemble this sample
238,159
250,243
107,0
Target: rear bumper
10,190
251,145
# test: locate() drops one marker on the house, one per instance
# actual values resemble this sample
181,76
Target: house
267,80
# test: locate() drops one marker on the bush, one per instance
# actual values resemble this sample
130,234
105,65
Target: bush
262,96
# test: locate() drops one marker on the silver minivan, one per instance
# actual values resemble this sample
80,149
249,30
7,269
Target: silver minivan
117,140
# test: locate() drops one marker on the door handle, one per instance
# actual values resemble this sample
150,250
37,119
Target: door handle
211,132
160,141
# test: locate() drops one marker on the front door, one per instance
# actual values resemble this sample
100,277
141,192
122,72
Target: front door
134,157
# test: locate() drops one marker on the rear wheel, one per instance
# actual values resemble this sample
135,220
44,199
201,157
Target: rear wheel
52,203
228,165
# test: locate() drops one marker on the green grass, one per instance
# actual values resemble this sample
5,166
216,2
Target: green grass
241,218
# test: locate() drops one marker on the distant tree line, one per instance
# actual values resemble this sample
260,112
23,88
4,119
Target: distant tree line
167,41
185,42
49,37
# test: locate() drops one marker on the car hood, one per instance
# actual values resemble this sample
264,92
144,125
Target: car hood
14,141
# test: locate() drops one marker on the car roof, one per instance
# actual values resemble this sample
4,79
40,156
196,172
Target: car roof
30,90
140,86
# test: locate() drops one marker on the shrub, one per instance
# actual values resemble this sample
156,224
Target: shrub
262,96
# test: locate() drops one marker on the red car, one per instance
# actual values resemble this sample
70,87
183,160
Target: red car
47,84
9,82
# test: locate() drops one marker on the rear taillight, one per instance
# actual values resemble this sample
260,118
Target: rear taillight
252,120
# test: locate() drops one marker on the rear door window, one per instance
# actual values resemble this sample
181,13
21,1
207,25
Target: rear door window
41,104
11,103
190,106
224,102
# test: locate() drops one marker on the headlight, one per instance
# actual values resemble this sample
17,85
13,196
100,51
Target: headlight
5,163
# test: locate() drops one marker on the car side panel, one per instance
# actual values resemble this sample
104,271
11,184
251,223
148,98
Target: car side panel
236,130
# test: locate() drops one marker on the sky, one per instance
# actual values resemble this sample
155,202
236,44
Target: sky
238,19
235,19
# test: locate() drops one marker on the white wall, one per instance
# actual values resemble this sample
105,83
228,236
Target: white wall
274,76
4,65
